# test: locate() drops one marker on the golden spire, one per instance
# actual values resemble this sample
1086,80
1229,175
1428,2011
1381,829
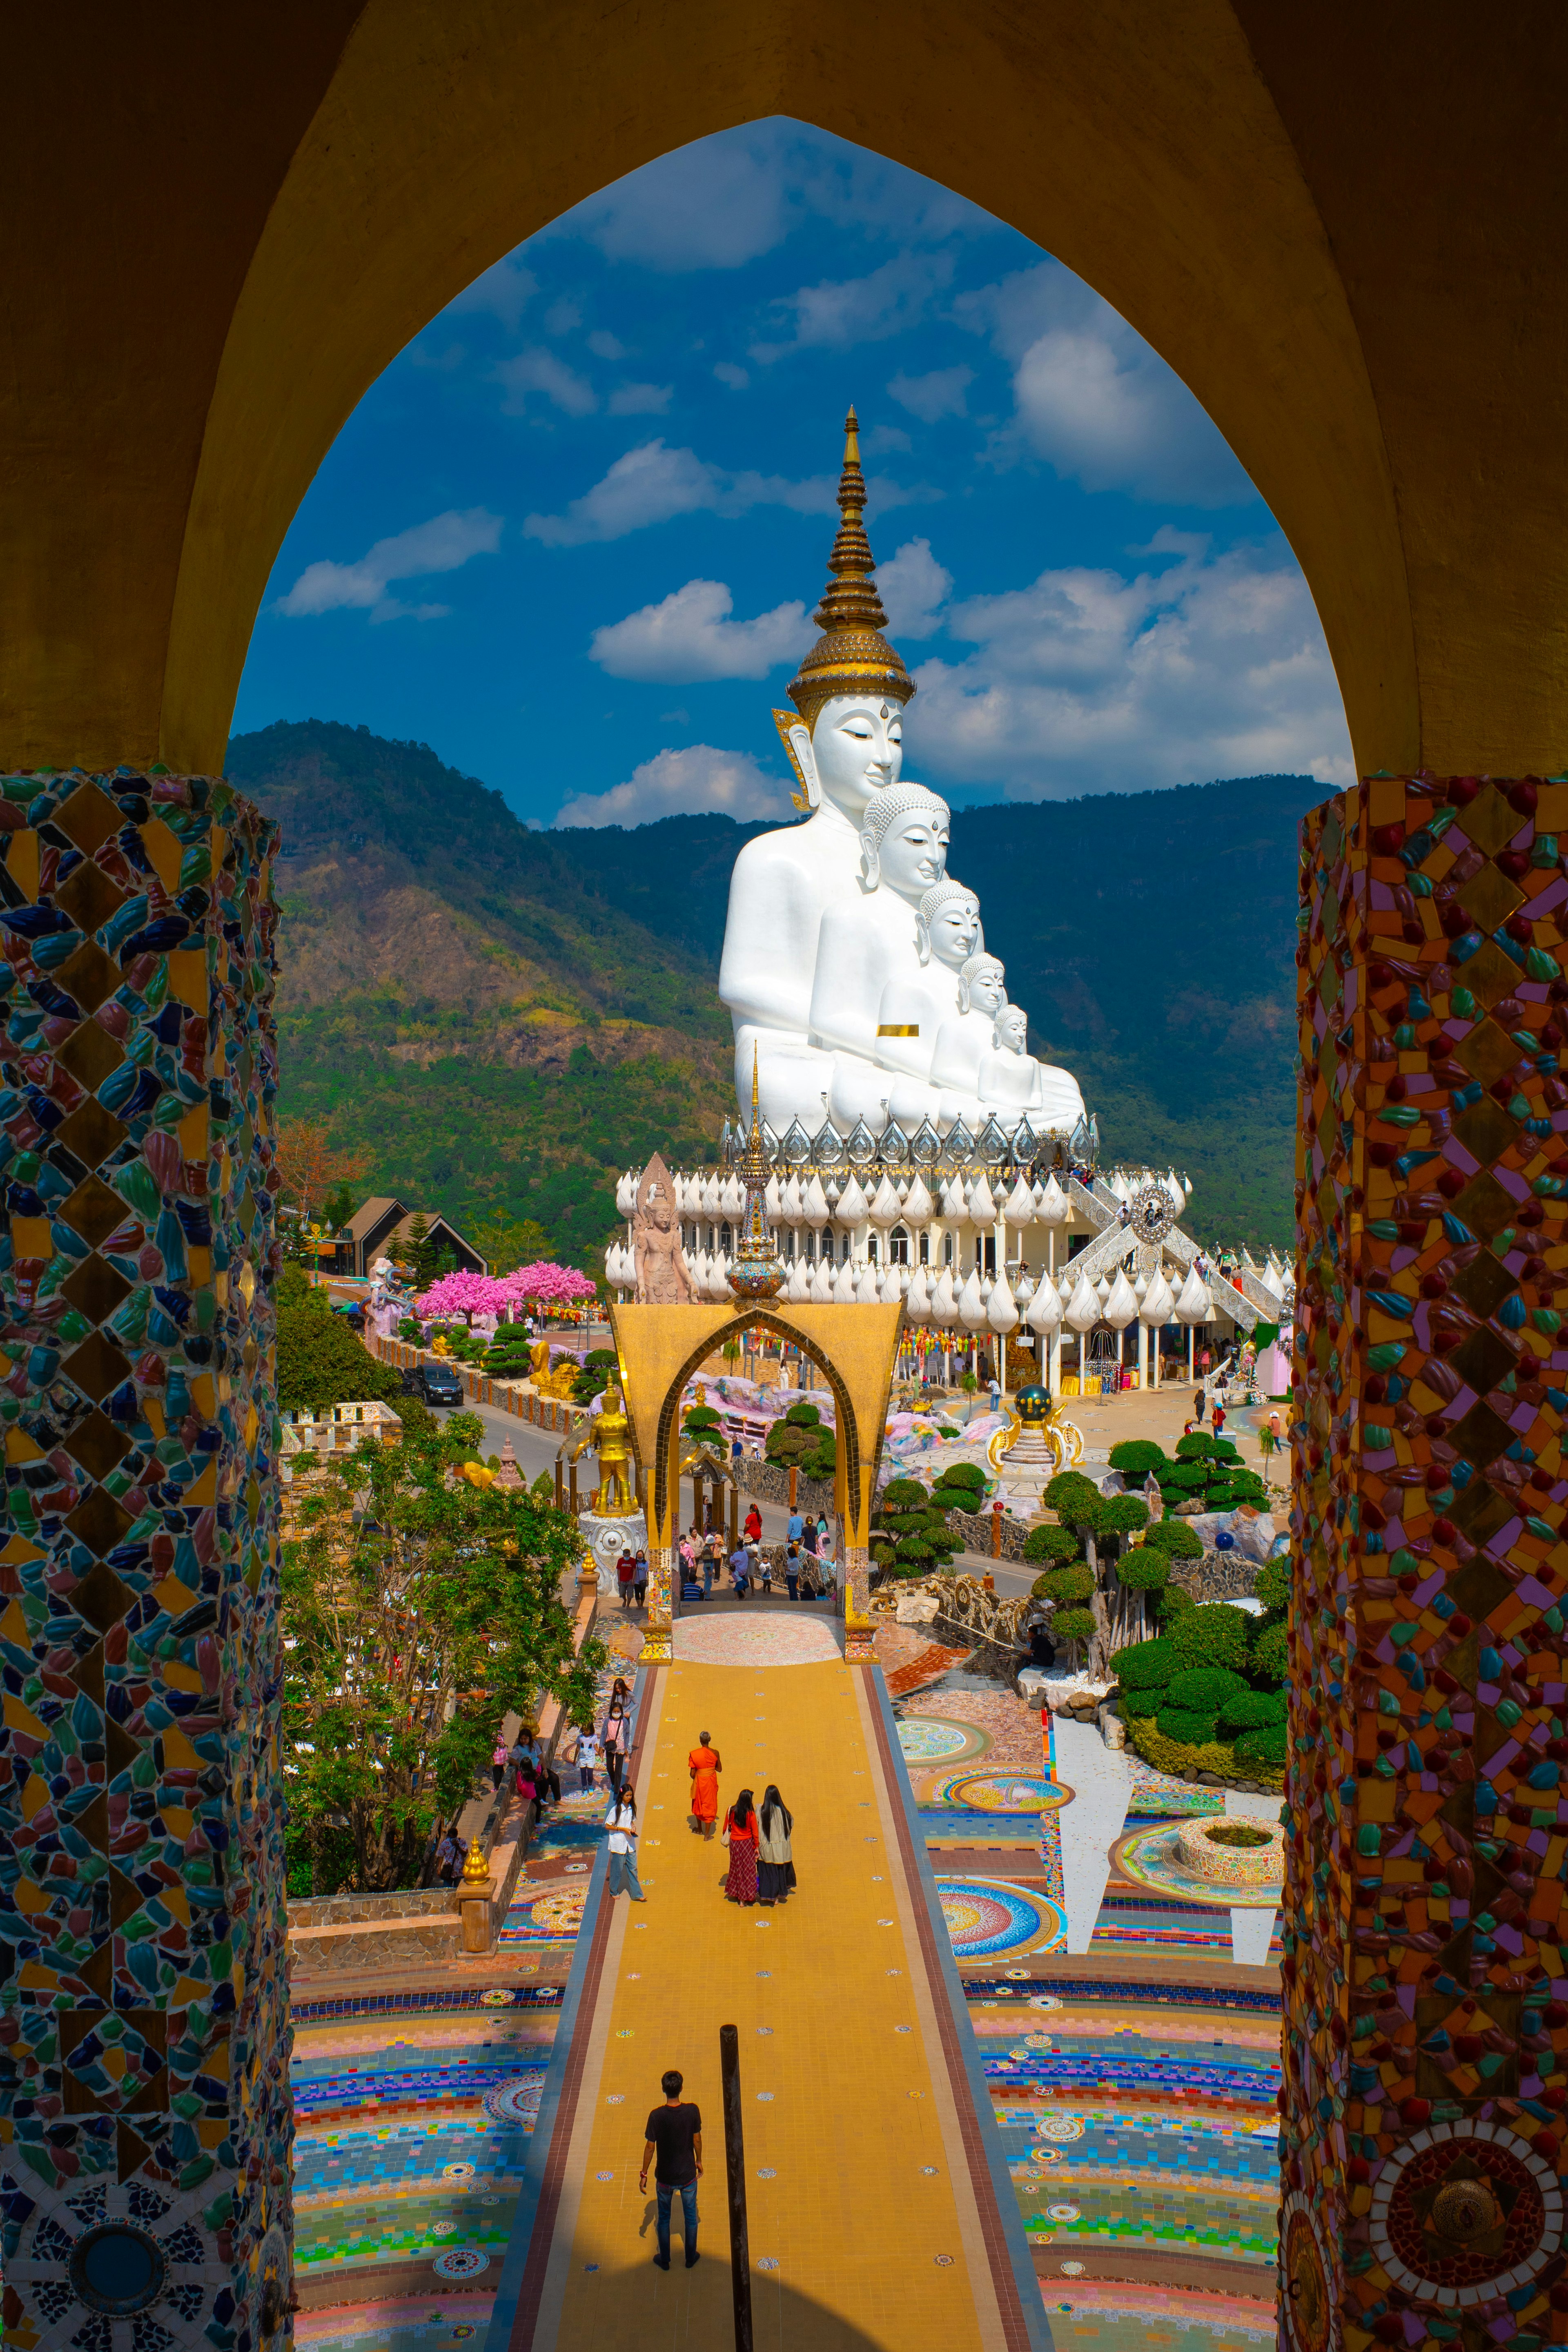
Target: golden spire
851,655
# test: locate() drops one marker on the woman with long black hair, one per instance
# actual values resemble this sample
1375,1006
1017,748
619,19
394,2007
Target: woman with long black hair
740,1836
775,1869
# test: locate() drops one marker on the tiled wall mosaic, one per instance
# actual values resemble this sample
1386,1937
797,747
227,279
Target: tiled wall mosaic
145,2125
1427,1988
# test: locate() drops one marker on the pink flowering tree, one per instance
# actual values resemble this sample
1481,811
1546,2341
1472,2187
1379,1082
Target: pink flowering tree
467,1295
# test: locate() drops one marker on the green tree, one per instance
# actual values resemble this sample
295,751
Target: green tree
909,1533
1103,1524
506,1241
417,1611
320,1362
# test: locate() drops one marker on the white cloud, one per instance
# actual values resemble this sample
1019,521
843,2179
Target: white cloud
505,291
542,371
690,636
641,400
712,205
882,440
1093,399
653,483
840,312
1089,681
914,585
940,393
443,544
684,784
605,346
736,377
563,316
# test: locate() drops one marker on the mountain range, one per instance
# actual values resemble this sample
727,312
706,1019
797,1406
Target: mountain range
506,1018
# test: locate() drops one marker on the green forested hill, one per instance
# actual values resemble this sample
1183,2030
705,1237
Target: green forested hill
506,1018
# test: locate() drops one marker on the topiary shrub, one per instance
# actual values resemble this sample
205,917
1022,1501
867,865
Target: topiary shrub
1213,1635
1263,1751
1141,1702
1144,1569
600,1367
510,1355
907,1533
1050,1543
1134,1457
1147,1664
801,1439
1171,1603
1206,1689
961,1487
1074,1498
1122,1515
702,1423
1272,1653
1273,1584
1250,1711
320,1362
1175,1538
1074,1581
1185,1759
1189,1726
1074,1624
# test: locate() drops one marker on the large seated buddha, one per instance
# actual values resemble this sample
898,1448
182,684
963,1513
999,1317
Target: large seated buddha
845,950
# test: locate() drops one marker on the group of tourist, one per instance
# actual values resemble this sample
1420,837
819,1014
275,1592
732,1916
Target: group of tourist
808,1568
761,1866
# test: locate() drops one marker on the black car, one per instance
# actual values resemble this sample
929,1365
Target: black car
436,1383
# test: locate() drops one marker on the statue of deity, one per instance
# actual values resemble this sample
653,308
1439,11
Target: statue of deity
664,1278
615,1496
845,943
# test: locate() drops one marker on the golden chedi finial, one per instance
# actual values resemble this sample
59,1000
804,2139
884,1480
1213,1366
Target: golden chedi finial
851,655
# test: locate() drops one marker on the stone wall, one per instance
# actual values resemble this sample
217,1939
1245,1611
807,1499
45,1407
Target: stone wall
1218,1576
973,1530
344,1910
769,1482
144,1904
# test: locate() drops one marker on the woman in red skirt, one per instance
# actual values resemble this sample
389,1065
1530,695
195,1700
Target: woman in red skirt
740,1836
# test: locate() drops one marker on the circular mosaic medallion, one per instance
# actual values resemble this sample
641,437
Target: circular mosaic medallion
1060,2129
1308,2311
1044,2001
1152,1857
933,1739
443,2228
1072,2270
457,2172
463,2262
495,1997
562,1914
1152,1214
986,1916
1002,1792
516,2102
1062,2212
1465,2211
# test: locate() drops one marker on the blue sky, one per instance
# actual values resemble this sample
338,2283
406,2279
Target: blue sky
572,537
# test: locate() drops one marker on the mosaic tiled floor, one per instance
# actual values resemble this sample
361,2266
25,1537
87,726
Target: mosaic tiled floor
771,1638
987,1918
1150,1858
1156,1797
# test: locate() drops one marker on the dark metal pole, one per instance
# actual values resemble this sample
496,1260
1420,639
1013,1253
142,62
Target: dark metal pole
735,2166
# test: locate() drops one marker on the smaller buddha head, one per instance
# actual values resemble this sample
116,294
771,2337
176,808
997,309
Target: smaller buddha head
1009,1031
982,985
904,841
948,925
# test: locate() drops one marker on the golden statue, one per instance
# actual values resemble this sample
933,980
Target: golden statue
610,1435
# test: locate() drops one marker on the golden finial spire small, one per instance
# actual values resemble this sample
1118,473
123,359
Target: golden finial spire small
753,1094
851,655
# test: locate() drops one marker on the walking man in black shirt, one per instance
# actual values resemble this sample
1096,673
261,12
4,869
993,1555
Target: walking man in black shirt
675,2138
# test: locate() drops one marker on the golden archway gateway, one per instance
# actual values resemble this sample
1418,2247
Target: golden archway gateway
853,1348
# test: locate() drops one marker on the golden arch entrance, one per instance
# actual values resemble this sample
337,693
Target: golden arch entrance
1344,229
853,1348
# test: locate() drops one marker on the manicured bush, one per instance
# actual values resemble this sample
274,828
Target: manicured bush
320,1359
908,1533
1141,1702
1184,1760
1273,1585
901,1492
1147,1664
1122,1515
1050,1543
960,1487
1190,1725
600,1367
1134,1457
1271,1654
803,1416
1184,1478
1201,1448
509,1356
1173,1603
702,1423
1144,1569
1073,1582
1267,1746
1206,1689
1250,1710
1074,1498
1175,1537
1074,1624
1213,1635
802,1439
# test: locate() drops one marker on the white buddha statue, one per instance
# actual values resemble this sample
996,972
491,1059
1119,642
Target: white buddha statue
846,745
853,972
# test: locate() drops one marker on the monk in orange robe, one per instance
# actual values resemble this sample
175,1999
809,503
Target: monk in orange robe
706,1769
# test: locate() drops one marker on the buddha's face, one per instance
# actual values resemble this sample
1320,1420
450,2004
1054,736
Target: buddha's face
858,746
1012,1030
987,989
954,931
914,853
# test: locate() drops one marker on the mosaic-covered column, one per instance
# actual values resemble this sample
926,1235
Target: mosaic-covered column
1427,1824
146,2124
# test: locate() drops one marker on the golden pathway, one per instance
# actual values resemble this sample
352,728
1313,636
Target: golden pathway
874,2215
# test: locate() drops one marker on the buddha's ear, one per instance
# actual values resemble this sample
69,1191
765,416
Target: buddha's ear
871,865
796,738
921,939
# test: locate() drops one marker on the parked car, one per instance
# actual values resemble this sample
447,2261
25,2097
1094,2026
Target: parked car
436,1383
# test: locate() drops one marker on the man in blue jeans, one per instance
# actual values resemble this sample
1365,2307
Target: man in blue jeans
674,2136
